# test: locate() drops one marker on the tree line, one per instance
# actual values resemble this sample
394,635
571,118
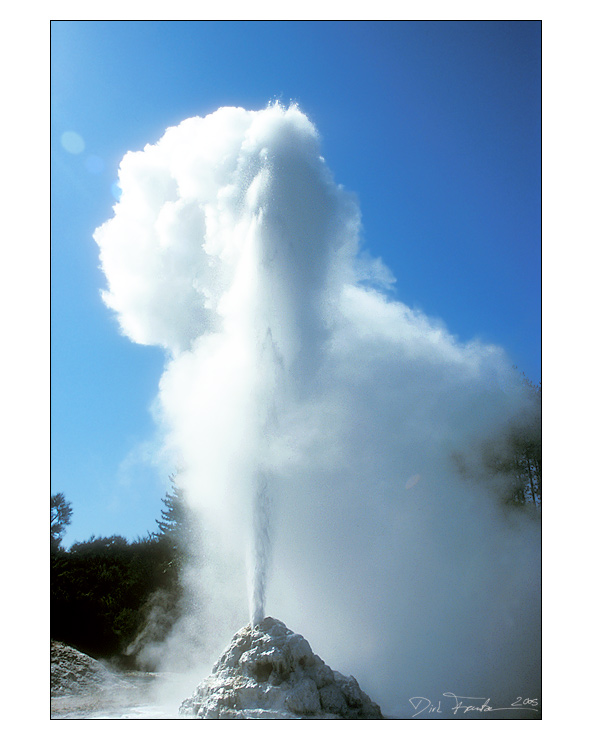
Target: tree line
102,590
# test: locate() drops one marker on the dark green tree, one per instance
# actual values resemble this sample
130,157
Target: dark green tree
117,599
173,516
178,524
102,591
176,537
525,447
511,462
60,518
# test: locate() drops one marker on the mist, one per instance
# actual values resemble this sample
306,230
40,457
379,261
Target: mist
329,438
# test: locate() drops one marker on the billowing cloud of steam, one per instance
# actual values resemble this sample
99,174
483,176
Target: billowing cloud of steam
319,425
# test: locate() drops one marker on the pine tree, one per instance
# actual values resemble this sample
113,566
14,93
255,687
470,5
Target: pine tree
177,525
527,449
60,517
173,515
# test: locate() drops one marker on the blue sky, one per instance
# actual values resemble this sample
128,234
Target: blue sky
434,125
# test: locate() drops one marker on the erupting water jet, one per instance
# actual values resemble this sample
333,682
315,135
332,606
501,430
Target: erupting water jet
299,400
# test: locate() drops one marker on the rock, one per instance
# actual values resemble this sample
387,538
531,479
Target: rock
303,698
73,671
333,700
269,672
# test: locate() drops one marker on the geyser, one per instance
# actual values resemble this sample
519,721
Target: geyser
319,425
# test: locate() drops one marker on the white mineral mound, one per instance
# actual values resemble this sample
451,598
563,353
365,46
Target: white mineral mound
269,672
73,671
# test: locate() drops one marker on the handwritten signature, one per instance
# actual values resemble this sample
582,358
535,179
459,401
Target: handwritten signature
455,704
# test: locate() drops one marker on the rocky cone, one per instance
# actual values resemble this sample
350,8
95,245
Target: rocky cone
269,672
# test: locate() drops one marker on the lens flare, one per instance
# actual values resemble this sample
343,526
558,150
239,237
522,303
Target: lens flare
72,142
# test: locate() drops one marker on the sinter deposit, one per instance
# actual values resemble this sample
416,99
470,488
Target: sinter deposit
268,671
73,671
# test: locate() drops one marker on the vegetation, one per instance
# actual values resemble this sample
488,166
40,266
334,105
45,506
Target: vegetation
102,590
178,525
60,518
518,457
512,463
527,446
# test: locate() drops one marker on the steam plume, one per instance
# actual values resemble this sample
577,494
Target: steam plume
317,422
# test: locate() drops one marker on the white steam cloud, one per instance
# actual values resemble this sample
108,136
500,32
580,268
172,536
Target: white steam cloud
320,426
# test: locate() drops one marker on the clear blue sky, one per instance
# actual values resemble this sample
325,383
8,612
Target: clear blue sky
434,125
